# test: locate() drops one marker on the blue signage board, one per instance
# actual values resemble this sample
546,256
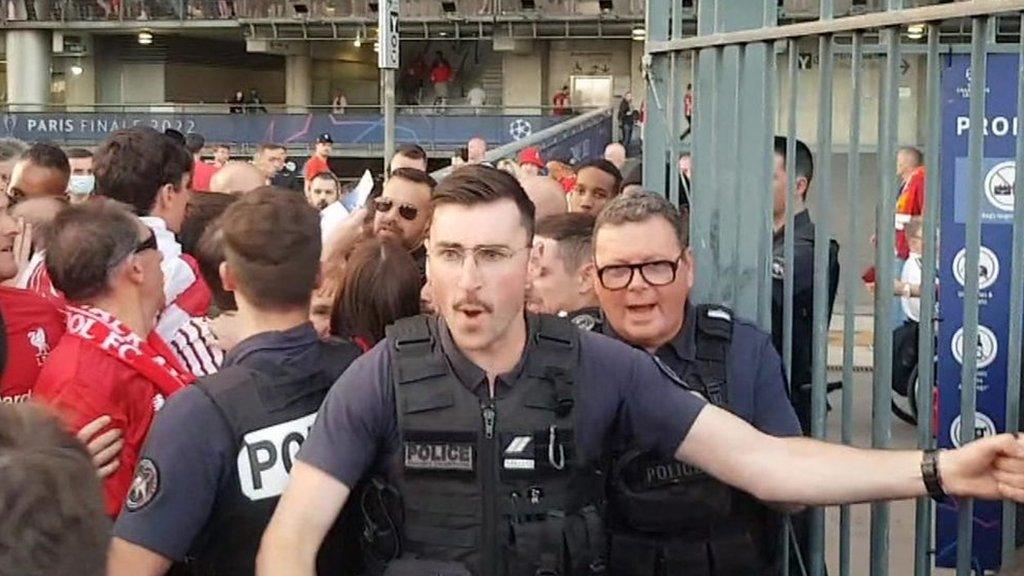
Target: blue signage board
997,205
288,129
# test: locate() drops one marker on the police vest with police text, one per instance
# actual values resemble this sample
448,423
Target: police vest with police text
491,487
269,408
666,517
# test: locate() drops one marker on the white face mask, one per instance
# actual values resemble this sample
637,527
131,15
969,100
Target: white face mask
82,184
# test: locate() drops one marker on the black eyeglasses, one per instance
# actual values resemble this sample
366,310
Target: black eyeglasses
407,211
656,273
148,244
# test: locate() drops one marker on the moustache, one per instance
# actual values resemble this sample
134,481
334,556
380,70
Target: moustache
472,303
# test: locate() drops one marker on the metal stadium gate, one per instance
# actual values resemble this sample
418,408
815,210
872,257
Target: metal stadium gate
738,61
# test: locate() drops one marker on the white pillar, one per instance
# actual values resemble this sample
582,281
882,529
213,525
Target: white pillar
28,69
298,74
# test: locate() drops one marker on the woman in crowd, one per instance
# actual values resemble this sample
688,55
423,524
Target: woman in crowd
381,285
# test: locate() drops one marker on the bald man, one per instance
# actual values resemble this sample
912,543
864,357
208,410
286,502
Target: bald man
237,177
616,154
546,194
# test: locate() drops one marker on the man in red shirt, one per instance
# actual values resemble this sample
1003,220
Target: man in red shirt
317,163
32,324
910,167
110,361
202,172
562,102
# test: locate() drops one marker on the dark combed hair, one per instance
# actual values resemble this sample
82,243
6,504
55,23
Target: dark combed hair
203,208
86,242
804,160
606,167
52,518
381,285
78,153
194,142
132,165
479,184
642,207
574,233
272,243
46,155
412,151
209,255
414,175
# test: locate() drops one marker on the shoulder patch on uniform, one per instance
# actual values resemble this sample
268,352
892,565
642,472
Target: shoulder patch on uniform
585,322
145,485
720,314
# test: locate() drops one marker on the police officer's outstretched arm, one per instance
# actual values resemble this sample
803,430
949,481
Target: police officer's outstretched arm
305,513
806,471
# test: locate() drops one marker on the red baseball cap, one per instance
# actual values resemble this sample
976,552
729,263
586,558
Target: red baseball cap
531,155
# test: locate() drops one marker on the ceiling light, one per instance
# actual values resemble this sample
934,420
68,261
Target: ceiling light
358,41
76,70
915,31
145,38
639,34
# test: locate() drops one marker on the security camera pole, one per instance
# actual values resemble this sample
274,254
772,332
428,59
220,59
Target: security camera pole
387,61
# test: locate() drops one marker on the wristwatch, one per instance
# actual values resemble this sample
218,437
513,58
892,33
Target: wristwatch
930,475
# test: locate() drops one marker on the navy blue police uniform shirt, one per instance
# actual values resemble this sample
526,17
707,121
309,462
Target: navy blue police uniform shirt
193,450
357,430
756,388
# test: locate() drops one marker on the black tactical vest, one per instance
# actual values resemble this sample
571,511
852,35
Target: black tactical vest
491,487
667,518
269,408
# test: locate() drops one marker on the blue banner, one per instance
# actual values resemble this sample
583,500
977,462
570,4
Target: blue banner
288,129
997,203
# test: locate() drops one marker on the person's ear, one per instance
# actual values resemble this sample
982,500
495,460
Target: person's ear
134,271
227,277
586,276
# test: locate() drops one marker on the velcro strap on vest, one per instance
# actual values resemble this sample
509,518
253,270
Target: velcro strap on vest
414,345
554,359
712,341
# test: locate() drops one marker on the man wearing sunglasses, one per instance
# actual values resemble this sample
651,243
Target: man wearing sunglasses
483,428
110,361
402,212
643,281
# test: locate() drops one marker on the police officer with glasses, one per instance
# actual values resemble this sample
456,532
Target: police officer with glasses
480,432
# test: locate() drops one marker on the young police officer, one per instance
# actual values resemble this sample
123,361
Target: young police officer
665,517
487,449
218,457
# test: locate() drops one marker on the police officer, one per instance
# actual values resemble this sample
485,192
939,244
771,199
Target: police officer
219,454
803,273
665,517
561,274
480,430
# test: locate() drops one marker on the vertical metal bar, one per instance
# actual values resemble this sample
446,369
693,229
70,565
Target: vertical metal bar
735,189
972,238
768,168
787,245
881,415
926,343
674,117
851,284
1013,371
820,319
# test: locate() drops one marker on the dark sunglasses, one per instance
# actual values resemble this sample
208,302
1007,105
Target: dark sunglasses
148,244
406,211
